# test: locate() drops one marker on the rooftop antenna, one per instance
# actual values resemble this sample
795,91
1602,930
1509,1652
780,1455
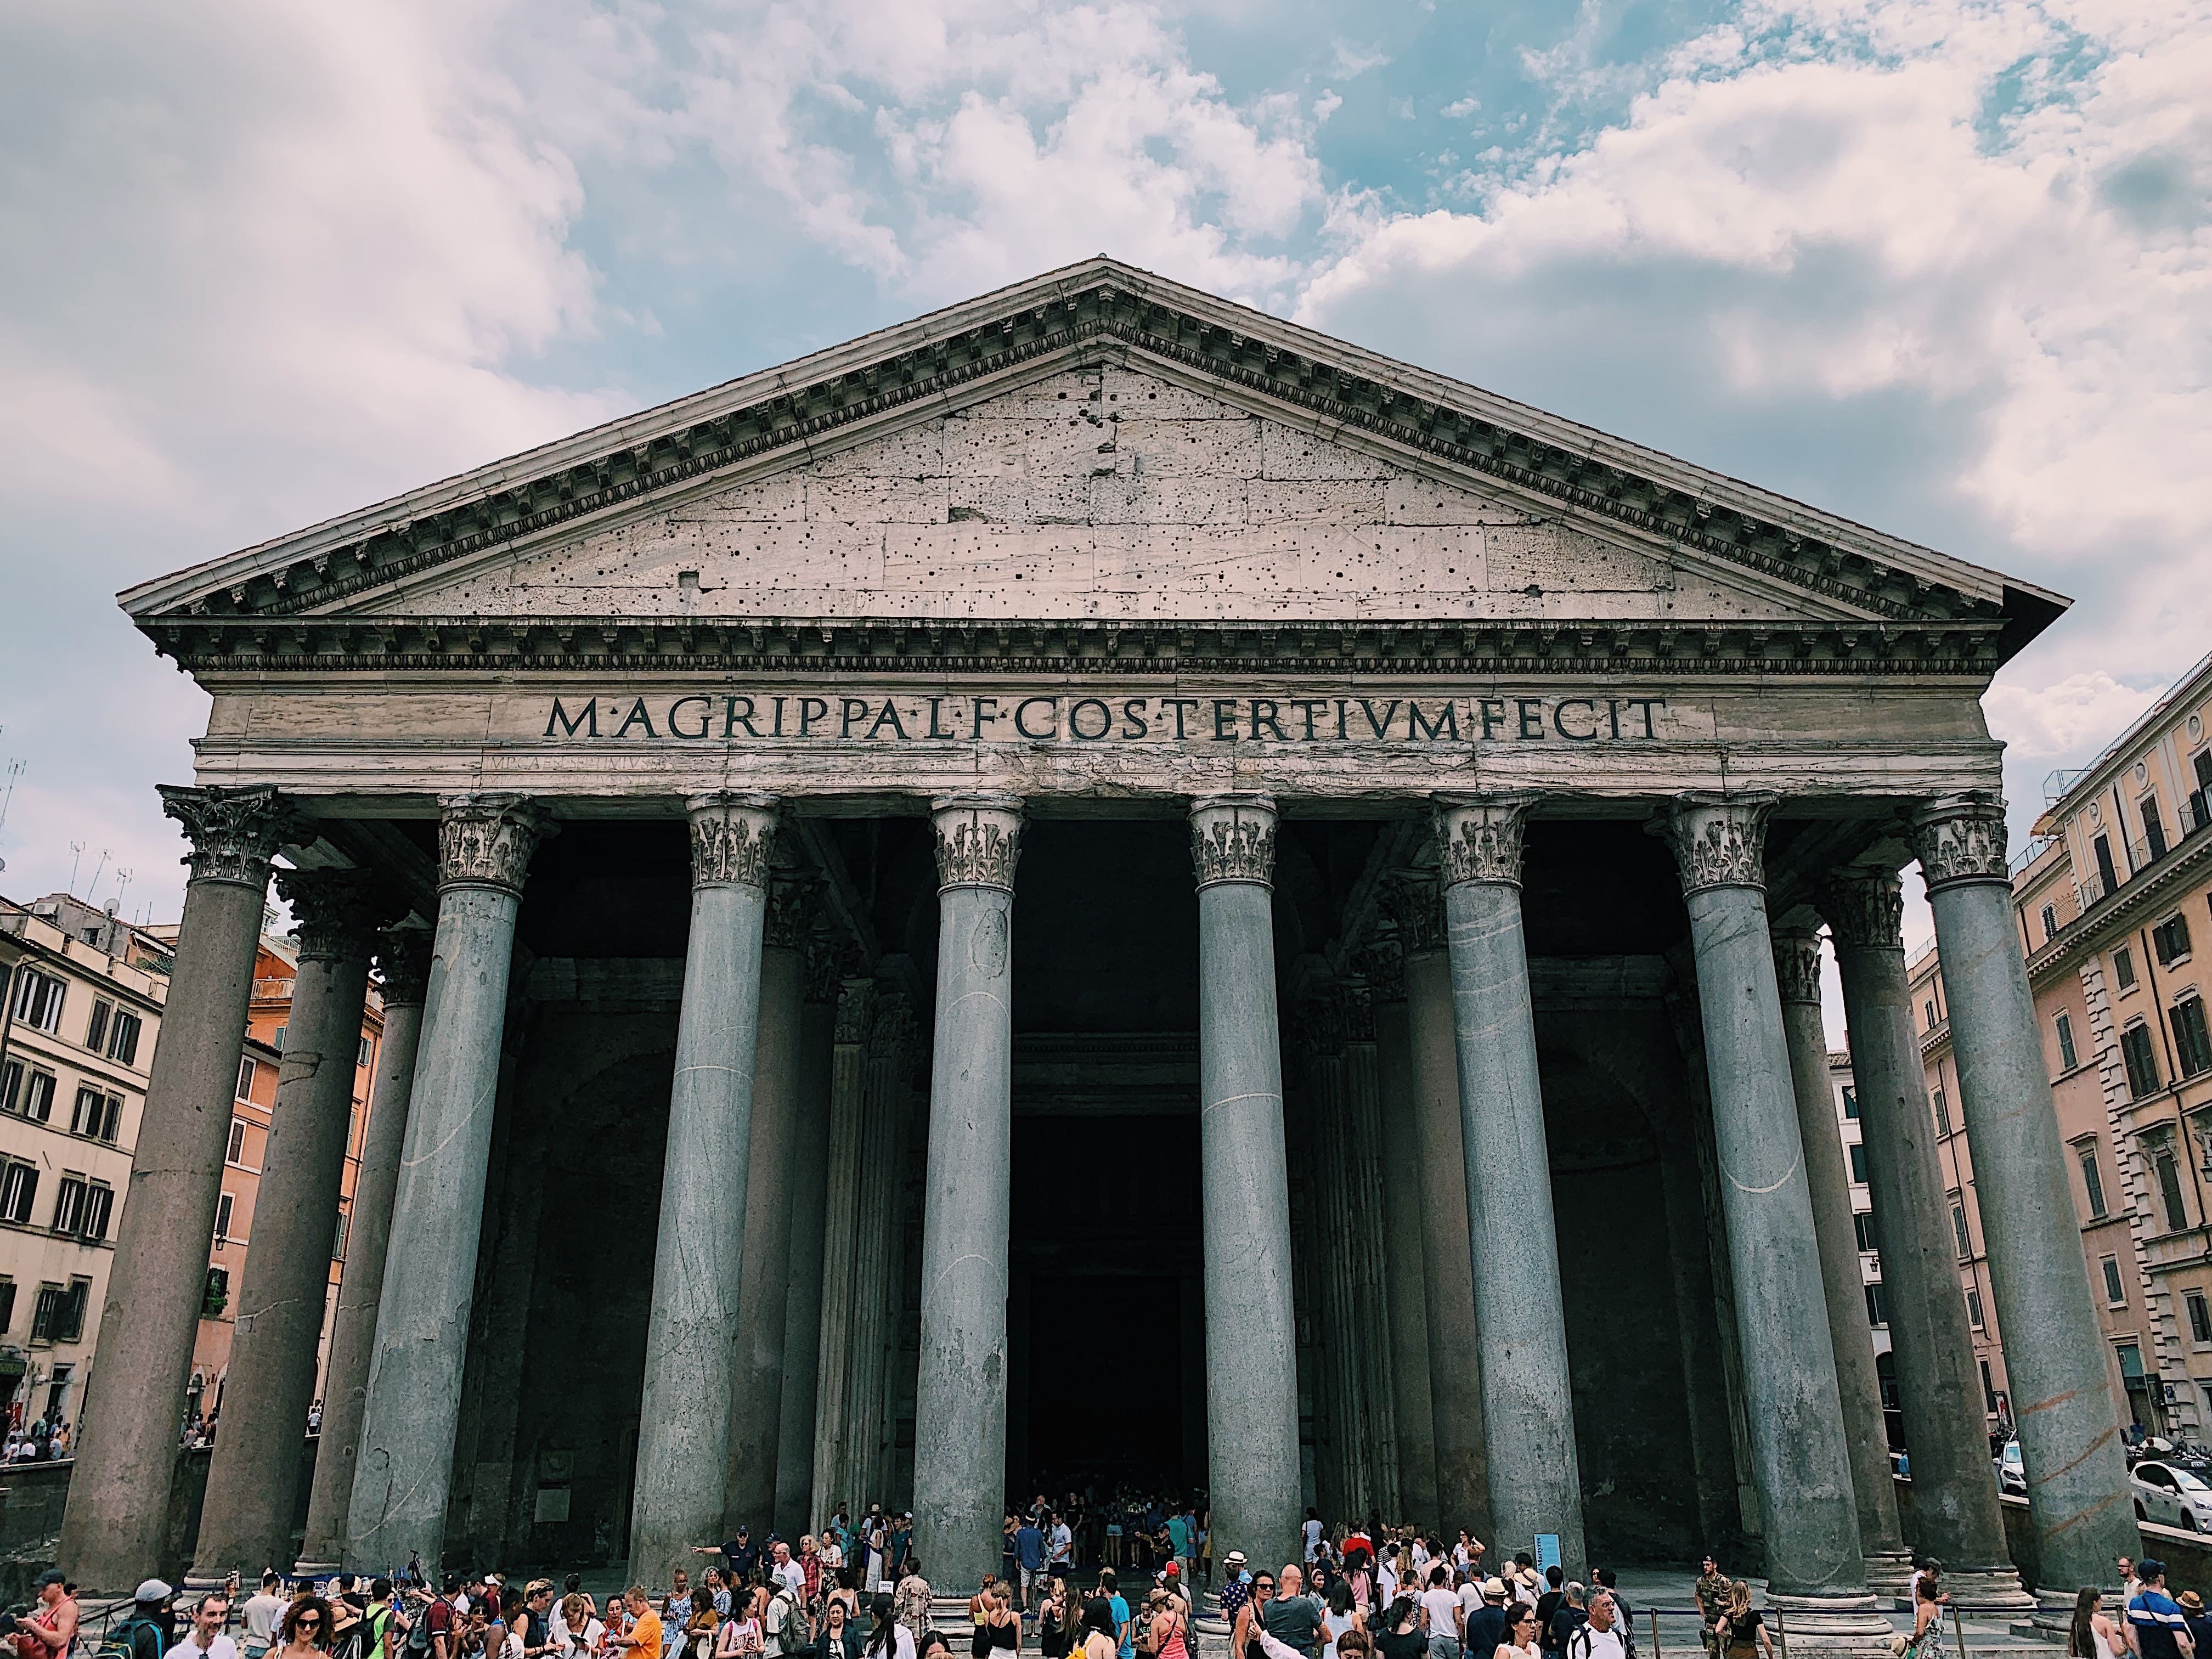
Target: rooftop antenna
77,856
92,886
14,771
122,884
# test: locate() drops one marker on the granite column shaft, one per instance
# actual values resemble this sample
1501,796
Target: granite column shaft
1406,1273
403,1476
802,1319
960,1413
1528,1403
849,1080
403,963
2069,1436
1251,1355
253,1474
119,1499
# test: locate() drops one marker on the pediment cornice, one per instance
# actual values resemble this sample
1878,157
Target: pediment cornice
1101,310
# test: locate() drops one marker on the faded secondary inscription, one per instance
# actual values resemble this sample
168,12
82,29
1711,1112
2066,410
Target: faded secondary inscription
1088,717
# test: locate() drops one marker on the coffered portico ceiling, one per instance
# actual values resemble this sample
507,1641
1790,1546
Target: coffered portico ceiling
1097,462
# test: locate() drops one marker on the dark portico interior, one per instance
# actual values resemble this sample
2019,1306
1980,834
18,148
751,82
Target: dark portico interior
1106,1306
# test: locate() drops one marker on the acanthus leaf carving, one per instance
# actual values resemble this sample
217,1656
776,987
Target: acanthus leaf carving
1797,964
1232,838
1479,838
1961,838
1718,839
338,912
732,839
234,832
1864,907
487,840
979,841
402,965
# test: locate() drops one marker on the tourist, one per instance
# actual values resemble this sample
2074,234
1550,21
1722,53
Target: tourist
1398,1633
1355,1644
809,1561
643,1638
2156,1627
1341,1616
578,1633
1170,1626
786,1572
783,1626
1440,1614
205,1639
1571,1612
1520,1632
876,1547
701,1625
2093,1635
1028,1558
2131,1586
838,1639
830,1547
1251,1614
935,1646
1311,1530
1002,1626
1741,1630
902,1546
1927,1615
1596,1636
1235,1585
259,1616
1483,1629
1099,1640
1124,1626
888,1639
530,1632
2200,1622
1060,1544
911,1599
51,1625
306,1629
1292,1617
1623,1616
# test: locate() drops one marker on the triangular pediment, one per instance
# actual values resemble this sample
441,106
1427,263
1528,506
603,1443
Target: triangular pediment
1097,446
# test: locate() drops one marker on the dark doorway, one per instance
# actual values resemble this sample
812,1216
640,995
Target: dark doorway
1107,1316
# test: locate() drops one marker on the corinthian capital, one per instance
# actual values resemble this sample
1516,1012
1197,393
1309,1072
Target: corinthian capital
1797,964
487,840
1718,841
1232,838
979,839
1410,899
338,912
403,960
234,832
1961,838
733,836
1864,907
1478,837
790,910
1383,965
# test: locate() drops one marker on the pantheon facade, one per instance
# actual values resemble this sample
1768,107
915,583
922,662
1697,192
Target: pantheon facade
1098,889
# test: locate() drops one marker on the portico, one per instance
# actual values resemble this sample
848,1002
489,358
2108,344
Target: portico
1213,865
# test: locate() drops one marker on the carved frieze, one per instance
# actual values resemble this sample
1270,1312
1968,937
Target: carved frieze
1961,838
1232,838
338,912
1797,964
1411,900
1718,841
403,963
732,839
234,832
979,839
487,840
1864,907
1478,837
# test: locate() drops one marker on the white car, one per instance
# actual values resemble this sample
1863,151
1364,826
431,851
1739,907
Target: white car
2172,1497
2012,1474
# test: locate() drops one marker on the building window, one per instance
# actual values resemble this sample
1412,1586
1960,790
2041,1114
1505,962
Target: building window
11,1086
2124,967
1942,1113
39,999
1851,1102
46,1312
2092,1184
1974,1308
2192,1042
1858,1163
1959,1232
277,1038
216,1296
2168,1169
361,1058
1862,1224
222,1208
235,1151
1877,1304
99,1203
96,1114
19,1189
2170,940
2108,877
338,1239
246,1079
2154,825
1930,1007
7,1305
69,1204
2050,923
2141,1063
95,1028
122,1038
2200,1318
2067,1058
2113,1293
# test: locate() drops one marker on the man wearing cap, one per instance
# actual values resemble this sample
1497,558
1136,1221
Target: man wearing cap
52,1623
1235,1585
147,1630
1171,1581
2156,1627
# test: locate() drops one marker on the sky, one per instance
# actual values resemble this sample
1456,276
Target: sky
1944,267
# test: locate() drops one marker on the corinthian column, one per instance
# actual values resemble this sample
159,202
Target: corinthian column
960,1402
402,959
117,1519
810,1205
690,1344
1251,1352
404,1474
2077,1481
1797,972
1800,1462
1528,1405
253,1480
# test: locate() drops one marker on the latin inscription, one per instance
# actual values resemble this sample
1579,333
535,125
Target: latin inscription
1060,717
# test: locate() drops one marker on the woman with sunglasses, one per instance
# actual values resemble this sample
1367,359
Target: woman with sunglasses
306,1628
1519,1641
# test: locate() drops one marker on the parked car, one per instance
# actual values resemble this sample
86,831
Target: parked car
2012,1474
2172,1496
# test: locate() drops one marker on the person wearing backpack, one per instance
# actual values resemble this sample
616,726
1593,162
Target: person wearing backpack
786,1629
145,1634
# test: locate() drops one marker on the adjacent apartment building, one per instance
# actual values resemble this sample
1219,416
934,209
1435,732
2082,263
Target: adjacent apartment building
2114,898
80,999
268,1016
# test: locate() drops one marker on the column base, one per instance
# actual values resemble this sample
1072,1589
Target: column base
1990,1590
1847,1624
2053,1618
1889,1576
306,1569
200,1580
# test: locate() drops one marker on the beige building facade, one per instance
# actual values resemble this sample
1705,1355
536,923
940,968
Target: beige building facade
84,994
